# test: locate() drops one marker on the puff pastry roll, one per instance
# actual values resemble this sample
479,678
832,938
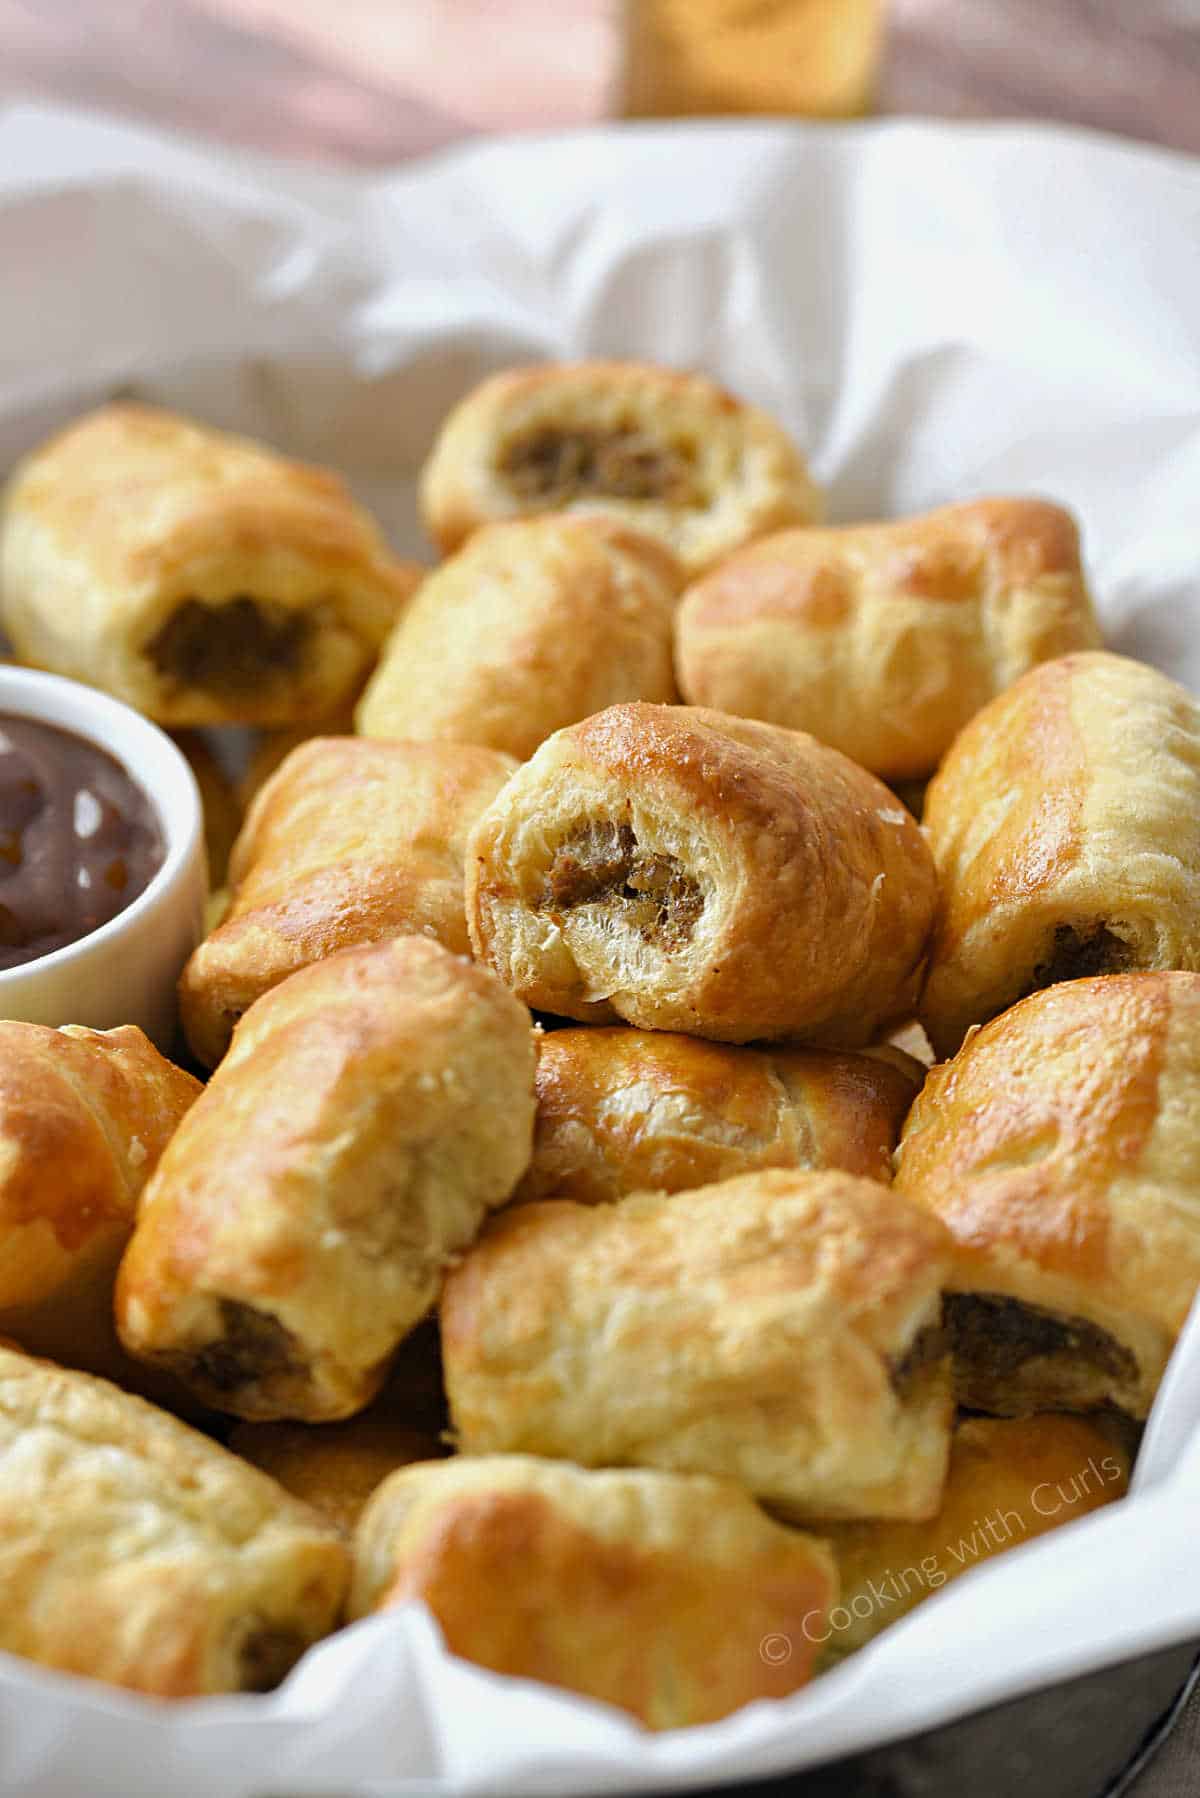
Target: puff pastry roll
1061,1148
84,1117
531,626
371,1109
1010,1479
200,577
652,1591
134,1550
1065,824
781,1329
348,843
668,453
621,1111
683,870
884,639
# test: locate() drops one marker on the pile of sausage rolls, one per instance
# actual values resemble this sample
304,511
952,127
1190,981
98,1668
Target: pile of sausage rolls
558,1215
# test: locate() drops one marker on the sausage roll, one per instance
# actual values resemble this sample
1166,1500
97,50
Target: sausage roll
1065,824
884,639
201,577
683,870
668,453
1009,1480
1061,1147
781,1329
621,1111
134,1550
531,626
652,1591
348,843
371,1109
84,1117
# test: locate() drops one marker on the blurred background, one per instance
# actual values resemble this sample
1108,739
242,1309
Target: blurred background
373,81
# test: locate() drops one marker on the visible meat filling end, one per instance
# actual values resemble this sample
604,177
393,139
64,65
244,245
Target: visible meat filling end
230,648
267,1656
1075,954
994,1338
552,467
253,1346
603,865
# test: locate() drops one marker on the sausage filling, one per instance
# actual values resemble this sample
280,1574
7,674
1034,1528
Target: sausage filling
553,467
603,865
1075,954
995,1337
267,1656
253,1346
230,648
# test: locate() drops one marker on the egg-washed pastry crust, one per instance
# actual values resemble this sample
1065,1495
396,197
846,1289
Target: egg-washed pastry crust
670,454
781,1329
1065,825
349,842
199,576
683,870
884,640
672,1596
135,1550
1061,1148
370,1112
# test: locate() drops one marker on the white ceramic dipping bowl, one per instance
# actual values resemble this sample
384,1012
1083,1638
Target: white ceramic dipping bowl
124,972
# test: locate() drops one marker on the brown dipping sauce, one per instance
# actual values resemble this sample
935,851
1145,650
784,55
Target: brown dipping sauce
79,840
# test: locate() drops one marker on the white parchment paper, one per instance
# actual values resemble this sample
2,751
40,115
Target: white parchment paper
936,312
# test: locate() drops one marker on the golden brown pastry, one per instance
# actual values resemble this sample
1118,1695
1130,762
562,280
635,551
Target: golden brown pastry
1061,1148
621,1111
683,870
884,639
673,1597
371,1110
222,810
1065,824
348,843
1009,1480
531,626
84,1118
670,454
134,1550
201,577
782,1330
